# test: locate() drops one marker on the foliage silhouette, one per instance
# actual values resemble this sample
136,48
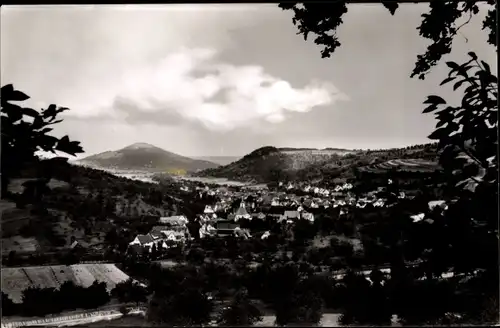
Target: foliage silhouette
8,306
241,312
185,308
42,301
439,25
129,291
463,237
21,139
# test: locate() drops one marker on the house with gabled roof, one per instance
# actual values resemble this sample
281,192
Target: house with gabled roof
208,210
177,236
241,213
143,240
165,231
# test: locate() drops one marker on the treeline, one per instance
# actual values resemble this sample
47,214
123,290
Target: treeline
37,302
189,295
43,301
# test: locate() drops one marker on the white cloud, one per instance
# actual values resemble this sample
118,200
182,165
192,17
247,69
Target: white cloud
187,81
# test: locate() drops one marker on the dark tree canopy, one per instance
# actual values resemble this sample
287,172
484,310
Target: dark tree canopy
241,312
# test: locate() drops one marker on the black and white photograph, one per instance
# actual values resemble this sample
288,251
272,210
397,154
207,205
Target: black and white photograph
320,164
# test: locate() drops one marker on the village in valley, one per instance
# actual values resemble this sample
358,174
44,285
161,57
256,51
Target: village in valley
222,169
223,218
255,212
322,227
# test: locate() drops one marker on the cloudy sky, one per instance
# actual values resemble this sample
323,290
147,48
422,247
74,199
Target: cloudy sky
203,80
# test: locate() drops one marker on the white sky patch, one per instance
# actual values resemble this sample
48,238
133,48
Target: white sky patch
170,84
80,57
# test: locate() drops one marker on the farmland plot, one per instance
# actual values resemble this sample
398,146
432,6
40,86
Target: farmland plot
410,164
20,244
15,280
63,273
107,273
41,277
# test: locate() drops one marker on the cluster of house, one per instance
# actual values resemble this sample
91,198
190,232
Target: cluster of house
317,197
170,232
318,190
432,205
213,226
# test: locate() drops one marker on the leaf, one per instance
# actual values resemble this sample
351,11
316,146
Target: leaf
472,55
38,123
13,112
487,77
486,66
54,122
458,84
50,111
48,141
441,123
8,93
391,5
69,147
462,70
449,79
434,100
6,89
453,126
18,96
439,134
452,65
430,108
45,130
30,112
15,116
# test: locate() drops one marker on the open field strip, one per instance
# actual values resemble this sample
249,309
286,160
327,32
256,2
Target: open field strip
70,319
15,280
